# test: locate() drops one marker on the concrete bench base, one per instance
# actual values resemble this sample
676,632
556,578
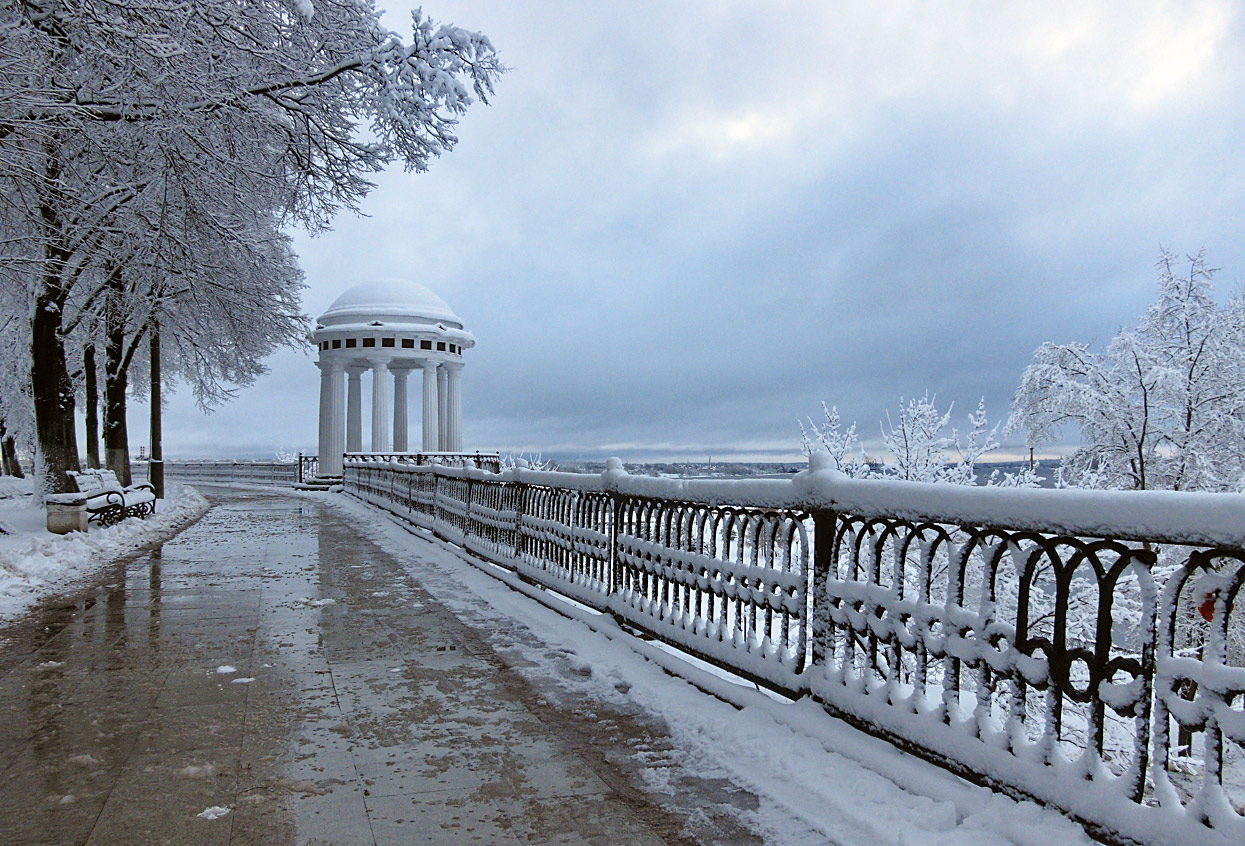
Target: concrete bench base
64,518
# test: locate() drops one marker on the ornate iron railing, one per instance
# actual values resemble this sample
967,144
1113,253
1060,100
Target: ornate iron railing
490,461
1018,637
308,467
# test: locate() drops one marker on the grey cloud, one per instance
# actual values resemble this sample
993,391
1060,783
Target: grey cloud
636,278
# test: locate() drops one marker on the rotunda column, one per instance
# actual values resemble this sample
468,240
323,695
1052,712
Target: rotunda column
399,407
443,409
326,411
455,402
430,437
354,408
331,459
380,406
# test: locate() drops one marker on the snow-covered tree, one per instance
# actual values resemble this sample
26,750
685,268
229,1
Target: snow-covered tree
108,105
16,418
923,447
1162,407
224,300
510,460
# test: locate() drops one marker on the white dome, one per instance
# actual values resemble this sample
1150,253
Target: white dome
390,301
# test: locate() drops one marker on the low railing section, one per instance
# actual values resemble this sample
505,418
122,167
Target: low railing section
1075,647
207,472
308,467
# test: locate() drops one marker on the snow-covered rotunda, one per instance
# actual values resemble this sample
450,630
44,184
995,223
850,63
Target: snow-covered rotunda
388,328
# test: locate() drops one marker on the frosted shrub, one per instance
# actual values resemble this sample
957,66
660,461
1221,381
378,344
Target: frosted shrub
923,445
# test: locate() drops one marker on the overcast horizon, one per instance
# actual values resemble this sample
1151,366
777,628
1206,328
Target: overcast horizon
679,229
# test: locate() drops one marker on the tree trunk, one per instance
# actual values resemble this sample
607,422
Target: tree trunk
12,466
116,380
9,463
92,408
51,387
50,383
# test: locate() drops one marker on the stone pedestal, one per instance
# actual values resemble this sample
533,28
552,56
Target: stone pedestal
66,514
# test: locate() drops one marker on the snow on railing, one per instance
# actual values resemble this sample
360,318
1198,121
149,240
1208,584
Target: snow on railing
1017,637
482,460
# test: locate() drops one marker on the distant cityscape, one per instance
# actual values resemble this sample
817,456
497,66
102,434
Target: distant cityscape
770,469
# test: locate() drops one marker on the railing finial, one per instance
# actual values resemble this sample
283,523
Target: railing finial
820,460
613,471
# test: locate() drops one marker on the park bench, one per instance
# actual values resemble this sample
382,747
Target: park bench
108,502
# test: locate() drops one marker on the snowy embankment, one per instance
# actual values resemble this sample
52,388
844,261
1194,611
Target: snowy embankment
816,779
35,563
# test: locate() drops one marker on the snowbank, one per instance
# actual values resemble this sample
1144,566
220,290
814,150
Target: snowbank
35,563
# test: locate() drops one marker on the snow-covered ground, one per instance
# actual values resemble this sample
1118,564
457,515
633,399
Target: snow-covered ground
35,563
817,780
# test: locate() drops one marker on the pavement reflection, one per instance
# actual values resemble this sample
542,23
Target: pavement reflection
272,663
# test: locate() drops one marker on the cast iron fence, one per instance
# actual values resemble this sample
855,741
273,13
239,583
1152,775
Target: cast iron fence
308,467
490,461
1017,637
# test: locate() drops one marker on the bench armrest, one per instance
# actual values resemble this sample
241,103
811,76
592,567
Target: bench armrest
104,499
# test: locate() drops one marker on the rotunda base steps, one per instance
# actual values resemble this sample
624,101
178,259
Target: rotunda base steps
320,483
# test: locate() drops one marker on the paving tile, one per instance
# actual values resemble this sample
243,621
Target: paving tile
192,727
264,819
585,820
53,780
201,684
439,819
64,821
321,756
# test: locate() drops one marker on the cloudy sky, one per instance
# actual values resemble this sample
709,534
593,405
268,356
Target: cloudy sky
682,225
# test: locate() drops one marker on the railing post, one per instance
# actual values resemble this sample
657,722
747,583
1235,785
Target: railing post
436,496
823,560
615,566
520,499
614,470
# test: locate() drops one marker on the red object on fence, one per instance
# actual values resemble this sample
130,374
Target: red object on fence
1207,608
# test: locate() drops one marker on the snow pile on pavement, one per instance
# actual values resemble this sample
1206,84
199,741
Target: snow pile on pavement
213,813
816,779
35,563
14,488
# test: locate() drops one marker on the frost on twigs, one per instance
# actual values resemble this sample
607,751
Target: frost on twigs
921,445
1162,406
524,461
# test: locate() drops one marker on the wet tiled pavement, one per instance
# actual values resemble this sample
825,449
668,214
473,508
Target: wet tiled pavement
271,663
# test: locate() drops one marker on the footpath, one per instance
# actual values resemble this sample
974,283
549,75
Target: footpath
271,676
